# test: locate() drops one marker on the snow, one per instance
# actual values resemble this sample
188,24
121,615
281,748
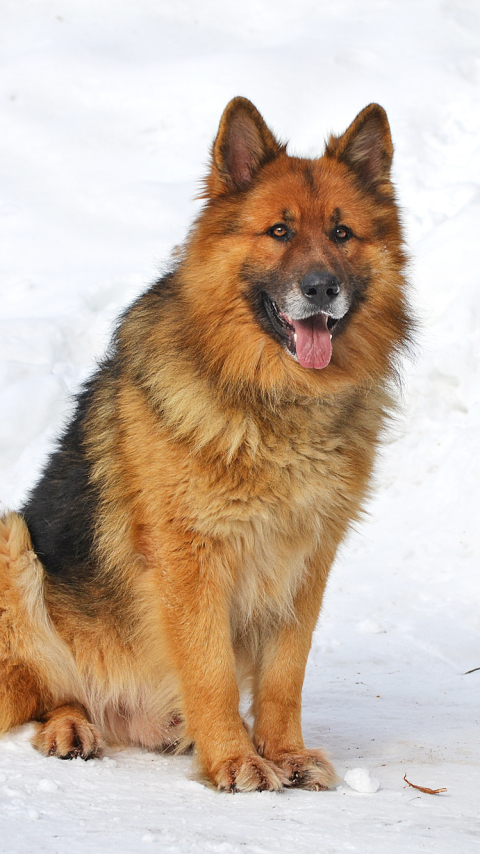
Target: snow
360,780
107,112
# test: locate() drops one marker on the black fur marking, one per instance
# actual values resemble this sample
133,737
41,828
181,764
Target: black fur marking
309,177
255,296
62,507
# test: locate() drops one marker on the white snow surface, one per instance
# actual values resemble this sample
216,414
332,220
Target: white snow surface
107,113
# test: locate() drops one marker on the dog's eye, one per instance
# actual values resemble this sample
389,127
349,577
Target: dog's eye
280,231
341,233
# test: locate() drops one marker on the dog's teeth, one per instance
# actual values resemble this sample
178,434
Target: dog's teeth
295,337
330,336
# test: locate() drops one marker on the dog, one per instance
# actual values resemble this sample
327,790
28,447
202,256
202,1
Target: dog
176,549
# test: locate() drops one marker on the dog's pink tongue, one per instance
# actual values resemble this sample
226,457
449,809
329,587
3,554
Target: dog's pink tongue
314,345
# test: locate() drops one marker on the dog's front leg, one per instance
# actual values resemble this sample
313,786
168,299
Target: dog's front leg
278,688
196,584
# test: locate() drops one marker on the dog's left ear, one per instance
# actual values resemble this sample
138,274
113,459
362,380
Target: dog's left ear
366,147
243,144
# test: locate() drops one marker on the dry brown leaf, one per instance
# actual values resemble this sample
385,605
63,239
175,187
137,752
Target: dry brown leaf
424,788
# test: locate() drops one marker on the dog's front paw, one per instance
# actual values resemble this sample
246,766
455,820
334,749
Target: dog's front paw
67,733
249,774
307,769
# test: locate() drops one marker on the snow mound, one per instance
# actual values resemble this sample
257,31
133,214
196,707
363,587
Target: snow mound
360,780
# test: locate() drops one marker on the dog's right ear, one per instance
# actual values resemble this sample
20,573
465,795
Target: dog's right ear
243,144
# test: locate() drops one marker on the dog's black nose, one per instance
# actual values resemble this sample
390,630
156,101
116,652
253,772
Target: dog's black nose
320,287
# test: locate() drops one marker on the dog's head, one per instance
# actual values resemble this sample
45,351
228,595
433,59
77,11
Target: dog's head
310,251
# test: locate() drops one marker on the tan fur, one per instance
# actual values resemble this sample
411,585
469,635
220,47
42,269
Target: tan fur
226,485
66,732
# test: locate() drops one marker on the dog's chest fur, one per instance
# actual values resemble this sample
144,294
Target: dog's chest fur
258,491
271,503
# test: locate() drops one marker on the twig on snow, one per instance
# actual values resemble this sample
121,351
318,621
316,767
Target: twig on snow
424,788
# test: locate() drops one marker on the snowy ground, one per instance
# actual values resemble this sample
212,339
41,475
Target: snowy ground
107,111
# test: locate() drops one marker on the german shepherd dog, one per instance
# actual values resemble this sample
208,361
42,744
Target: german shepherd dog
177,546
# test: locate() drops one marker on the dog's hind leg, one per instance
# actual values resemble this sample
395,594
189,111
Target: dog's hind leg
32,660
22,696
67,733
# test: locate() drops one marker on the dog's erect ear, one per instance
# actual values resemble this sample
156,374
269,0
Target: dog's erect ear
366,147
243,144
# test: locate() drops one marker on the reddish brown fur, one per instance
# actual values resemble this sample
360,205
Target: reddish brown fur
228,475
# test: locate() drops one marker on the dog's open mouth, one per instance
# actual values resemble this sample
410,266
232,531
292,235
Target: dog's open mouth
308,339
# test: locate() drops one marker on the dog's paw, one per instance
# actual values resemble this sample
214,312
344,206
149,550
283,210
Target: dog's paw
307,769
67,733
249,774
